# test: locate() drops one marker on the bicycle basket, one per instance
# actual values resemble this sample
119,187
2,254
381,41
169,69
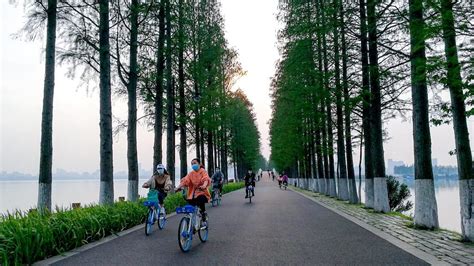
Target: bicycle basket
185,209
152,195
151,204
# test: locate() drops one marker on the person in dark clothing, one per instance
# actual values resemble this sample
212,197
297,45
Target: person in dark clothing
249,180
218,180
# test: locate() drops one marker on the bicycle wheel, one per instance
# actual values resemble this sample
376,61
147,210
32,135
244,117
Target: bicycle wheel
250,196
203,231
149,222
161,220
184,235
213,199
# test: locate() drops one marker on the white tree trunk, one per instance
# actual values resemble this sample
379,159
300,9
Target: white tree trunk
381,195
353,198
426,208
322,185
132,194
44,196
466,192
343,189
106,193
332,187
369,193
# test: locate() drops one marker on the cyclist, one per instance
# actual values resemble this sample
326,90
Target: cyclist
197,182
284,179
249,180
218,180
160,181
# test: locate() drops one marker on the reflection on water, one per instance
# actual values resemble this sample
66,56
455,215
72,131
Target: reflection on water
447,198
22,195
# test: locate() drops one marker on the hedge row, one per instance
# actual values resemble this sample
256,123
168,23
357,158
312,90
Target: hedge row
29,237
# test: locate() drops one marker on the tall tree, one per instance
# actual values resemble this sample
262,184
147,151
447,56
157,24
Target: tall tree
366,120
343,190
380,180
160,62
353,198
182,101
458,108
426,212
170,102
132,154
46,154
106,195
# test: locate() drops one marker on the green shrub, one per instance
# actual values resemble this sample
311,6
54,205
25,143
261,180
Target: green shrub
232,186
398,193
174,201
26,238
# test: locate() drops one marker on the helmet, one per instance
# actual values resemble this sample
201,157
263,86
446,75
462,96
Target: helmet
160,168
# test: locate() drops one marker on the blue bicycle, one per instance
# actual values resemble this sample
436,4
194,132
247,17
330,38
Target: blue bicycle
190,224
156,213
215,196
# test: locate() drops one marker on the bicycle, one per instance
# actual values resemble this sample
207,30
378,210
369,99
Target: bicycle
215,197
250,189
155,212
189,225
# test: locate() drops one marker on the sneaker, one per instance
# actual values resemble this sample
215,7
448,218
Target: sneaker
246,196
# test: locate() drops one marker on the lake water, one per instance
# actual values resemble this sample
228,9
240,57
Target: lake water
447,198
22,195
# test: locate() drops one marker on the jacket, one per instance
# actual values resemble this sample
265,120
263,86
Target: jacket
160,182
193,181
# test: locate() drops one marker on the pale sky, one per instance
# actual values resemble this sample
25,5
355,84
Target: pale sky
250,28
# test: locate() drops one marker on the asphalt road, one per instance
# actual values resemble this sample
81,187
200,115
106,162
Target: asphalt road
278,228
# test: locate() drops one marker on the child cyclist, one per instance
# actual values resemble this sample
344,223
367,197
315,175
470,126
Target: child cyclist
160,181
197,182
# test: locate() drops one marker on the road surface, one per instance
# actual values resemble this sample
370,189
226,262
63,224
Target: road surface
278,228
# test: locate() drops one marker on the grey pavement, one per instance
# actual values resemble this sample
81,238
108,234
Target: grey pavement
279,228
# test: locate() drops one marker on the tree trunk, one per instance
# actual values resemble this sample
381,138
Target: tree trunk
46,155
461,133
369,174
203,153
170,138
158,126
210,153
426,211
378,161
343,190
106,195
182,101
320,128
330,140
132,157
353,198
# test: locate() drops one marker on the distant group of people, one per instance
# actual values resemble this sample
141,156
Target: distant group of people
197,181
282,179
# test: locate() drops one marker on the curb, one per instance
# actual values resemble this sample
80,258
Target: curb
397,242
104,240
94,244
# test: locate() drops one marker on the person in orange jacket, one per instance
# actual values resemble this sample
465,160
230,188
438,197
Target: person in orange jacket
197,182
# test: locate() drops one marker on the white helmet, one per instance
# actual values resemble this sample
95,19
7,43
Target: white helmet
160,168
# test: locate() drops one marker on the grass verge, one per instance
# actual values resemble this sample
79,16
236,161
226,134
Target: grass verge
29,237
